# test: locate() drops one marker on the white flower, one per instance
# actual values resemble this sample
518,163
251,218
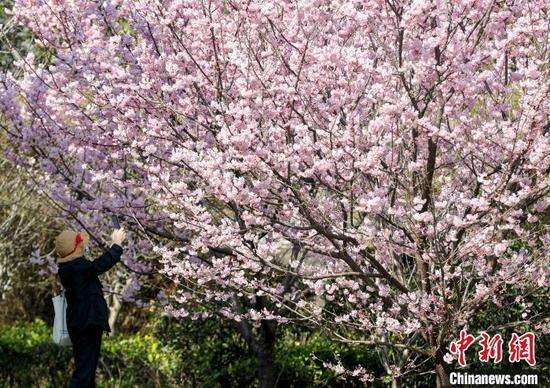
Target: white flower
448,358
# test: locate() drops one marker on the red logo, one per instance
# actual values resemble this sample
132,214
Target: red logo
491,348
519,347
459,347
522,348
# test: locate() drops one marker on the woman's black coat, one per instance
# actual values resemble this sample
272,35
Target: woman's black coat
83,290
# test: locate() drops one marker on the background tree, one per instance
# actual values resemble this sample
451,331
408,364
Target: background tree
378,169
26,240
21,232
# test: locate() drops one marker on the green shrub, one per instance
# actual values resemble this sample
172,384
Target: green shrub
216,356
29,358
300,362
206,353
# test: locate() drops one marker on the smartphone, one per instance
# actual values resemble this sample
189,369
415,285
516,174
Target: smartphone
114,220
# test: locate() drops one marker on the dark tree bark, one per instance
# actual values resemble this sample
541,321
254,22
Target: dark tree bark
266,354
395,382
261,342
441,373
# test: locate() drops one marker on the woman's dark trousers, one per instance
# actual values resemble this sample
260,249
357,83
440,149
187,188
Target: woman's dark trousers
86,348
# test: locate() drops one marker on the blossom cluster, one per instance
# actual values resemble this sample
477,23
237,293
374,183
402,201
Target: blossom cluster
365,165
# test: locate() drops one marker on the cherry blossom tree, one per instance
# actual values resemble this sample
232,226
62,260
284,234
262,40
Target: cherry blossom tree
378,169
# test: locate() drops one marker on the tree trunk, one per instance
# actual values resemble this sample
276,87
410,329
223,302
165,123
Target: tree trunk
395,382
266,354
441,375
266,367
261,342
114,309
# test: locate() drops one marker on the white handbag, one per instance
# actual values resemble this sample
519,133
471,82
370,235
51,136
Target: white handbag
60,332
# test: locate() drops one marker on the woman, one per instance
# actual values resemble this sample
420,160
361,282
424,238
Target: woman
87,311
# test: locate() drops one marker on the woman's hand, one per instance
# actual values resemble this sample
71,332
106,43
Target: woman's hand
118,236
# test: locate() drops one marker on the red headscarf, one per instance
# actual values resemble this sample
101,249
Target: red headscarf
78,239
